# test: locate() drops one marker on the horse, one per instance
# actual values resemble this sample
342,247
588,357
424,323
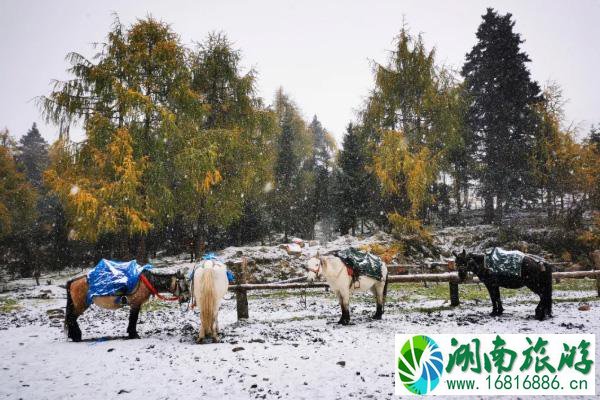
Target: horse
151,283
535,274
335,273
209,285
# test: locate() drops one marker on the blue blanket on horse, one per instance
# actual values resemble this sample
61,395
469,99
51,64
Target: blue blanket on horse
504,262
113,278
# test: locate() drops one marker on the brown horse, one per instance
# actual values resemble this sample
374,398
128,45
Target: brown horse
151,283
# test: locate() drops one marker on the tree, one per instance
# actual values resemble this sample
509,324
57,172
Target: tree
228,156
17,196
354,185
17,210
293,176
321,166
413,115
133,99
501,112
33,155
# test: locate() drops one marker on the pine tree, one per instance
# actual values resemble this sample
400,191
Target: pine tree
321,166
354,185
33,156
501,112
287,165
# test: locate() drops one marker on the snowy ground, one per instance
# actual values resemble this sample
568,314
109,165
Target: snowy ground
285,350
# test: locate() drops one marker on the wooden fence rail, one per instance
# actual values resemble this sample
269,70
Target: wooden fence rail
241,290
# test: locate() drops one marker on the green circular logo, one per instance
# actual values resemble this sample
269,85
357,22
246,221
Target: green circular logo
420,364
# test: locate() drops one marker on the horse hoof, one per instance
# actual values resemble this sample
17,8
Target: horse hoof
134,336
377,316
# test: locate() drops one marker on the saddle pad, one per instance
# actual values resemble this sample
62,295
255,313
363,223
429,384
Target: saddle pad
362,262
504,262
113,278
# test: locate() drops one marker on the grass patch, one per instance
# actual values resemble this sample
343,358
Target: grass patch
154,305
8,305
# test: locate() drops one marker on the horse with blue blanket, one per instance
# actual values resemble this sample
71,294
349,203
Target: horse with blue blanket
509,269
113,285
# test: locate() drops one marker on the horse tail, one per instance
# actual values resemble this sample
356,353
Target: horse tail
207,300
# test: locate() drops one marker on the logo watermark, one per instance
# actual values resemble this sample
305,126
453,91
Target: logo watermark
495,364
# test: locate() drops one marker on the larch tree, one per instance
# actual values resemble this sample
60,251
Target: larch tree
133,99
229,153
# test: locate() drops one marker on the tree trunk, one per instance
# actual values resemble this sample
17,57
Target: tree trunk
488,216
141,251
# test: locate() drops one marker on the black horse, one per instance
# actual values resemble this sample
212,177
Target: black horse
535,274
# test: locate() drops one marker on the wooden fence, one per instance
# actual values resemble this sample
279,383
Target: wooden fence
241,290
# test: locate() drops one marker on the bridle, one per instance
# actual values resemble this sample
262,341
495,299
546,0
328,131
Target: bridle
316,271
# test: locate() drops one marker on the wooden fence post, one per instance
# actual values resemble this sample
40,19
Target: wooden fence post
453,286
596,258
454,299
241,298
241,295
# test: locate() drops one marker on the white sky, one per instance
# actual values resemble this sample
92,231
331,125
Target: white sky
319,51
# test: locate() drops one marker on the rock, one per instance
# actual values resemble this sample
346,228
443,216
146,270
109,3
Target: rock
341,363
584,307
257,340
236,349
293,249
110,350
123,391
313,243
299,242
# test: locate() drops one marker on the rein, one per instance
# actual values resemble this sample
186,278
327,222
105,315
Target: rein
153,290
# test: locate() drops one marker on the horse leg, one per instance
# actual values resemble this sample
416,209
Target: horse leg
345,306
492,294
499,307
548,290
215,330
133,318
76,305
377,290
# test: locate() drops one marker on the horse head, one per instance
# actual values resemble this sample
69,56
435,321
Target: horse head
463,264
180,287
314,266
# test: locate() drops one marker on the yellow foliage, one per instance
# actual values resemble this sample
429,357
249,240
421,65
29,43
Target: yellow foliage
408,226
401,171
387,253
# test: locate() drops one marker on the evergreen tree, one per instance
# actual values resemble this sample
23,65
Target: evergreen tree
353,183
323,147
33,156
501,112
293,175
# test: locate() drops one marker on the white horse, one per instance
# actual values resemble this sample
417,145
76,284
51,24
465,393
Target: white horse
335,273
209,285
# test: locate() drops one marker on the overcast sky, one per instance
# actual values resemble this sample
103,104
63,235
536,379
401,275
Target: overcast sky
319,51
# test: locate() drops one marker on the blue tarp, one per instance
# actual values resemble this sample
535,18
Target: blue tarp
113,278
504,262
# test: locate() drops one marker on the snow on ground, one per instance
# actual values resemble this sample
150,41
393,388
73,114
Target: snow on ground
285,349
